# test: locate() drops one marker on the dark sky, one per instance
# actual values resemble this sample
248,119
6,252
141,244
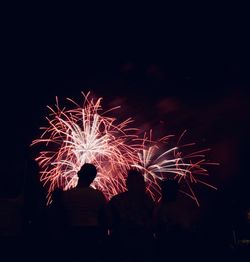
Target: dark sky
190,71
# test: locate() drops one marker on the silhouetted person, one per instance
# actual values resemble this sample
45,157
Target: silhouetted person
172,222
131,220
85,210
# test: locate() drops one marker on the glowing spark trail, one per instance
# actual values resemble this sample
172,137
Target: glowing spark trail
82,135
158,163
85,134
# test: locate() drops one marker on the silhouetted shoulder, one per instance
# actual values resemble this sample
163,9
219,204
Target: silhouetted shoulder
100,195
119,197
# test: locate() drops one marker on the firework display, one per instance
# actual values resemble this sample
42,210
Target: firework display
158,162
87,134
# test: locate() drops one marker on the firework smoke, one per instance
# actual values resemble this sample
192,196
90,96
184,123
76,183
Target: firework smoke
159,162
86,134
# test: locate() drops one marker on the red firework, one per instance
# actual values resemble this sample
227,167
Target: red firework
86,134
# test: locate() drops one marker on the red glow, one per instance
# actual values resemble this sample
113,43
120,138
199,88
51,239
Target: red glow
86,134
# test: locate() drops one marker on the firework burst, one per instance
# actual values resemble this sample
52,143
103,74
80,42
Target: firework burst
158,162
85,135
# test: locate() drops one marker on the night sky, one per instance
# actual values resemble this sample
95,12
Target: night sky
170,73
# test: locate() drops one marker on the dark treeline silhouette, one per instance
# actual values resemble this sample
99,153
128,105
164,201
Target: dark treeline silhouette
80,224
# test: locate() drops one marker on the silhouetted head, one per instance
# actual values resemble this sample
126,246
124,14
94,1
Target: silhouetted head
86,174
135,181
169,190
